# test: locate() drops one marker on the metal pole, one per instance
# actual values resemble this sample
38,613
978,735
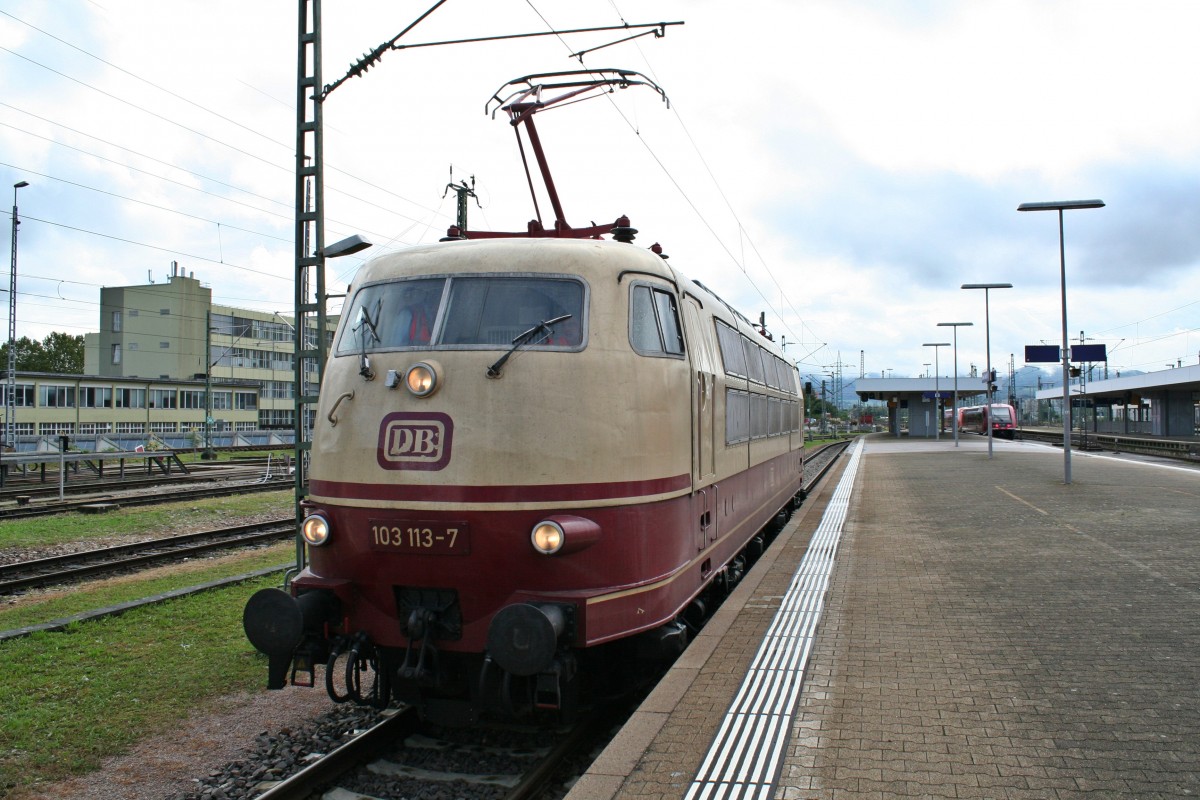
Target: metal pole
10,385
955,326
954,402
1060,206
987,339
987,332
937,400
1066,366
208,407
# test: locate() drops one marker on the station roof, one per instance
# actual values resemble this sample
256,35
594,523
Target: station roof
1178,379
887,388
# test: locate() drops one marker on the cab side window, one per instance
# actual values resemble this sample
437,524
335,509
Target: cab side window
654,328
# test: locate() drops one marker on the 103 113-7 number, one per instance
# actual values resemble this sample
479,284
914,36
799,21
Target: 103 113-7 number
419,536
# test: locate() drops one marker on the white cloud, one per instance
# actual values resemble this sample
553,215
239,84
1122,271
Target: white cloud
843,166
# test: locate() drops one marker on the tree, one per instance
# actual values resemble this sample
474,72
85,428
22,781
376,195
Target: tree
63,353
58,352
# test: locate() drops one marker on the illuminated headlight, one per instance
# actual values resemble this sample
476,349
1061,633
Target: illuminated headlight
548,537
315,530
422,379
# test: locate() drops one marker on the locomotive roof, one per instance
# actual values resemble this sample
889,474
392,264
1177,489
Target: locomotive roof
587,255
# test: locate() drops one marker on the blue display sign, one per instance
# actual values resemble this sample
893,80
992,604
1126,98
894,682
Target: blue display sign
1089,352
1042,354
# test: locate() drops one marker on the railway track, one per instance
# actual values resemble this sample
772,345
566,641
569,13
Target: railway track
76,566
402,757
820,461
92,485
112,499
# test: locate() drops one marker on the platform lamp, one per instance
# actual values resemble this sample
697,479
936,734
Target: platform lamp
937,393
1060,206
987,338
954,418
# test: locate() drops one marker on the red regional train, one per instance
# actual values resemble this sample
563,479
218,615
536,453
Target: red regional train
1003,419
537,462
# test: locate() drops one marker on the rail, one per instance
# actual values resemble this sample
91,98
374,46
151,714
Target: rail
1168,448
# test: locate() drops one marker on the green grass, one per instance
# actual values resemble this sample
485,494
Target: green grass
160,520
70,699
34,609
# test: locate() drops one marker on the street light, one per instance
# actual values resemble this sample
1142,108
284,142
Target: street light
955,326
10,387
987,337
937,394
1060,206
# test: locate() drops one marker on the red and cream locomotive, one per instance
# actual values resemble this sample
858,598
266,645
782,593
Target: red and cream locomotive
535,460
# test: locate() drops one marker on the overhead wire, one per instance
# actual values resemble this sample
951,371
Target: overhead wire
682,192
198,133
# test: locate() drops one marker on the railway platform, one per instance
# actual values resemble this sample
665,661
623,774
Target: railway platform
935,623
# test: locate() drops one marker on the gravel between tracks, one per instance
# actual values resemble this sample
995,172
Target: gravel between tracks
174,764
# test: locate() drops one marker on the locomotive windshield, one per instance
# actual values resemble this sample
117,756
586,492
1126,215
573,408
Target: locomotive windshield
476,312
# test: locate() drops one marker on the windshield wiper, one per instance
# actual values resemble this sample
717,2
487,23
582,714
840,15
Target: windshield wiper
366,325
545,327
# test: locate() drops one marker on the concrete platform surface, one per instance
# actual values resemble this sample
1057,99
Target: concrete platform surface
988,632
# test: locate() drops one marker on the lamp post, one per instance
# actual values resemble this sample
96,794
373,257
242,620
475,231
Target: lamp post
1060,206
987,337
955,326
10,384
937,394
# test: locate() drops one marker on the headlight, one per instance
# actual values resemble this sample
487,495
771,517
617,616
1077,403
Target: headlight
548,537
564,533
315,530
422,378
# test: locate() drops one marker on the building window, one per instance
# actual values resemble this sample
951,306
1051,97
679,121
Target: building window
50,396
245,401
191,398
94,428
222,401
131,427
56,428
116,321
163,398
276,418
163,427
95,396
130,398
116,354
164,345
23,396
165,312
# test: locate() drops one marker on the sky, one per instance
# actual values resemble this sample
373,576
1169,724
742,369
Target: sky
840,167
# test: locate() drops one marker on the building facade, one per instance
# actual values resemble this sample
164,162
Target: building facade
172,332
102,412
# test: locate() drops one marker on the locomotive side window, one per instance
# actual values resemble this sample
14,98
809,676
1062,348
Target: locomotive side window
730,342
737,416
754,365
654,322
487,312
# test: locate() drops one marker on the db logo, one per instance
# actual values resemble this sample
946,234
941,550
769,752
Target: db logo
415,440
